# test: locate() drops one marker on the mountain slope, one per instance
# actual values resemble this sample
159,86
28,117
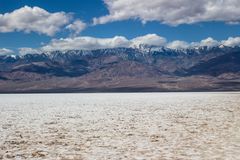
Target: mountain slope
229,63
123,69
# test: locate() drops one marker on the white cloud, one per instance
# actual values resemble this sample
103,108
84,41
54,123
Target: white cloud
26,50
77,27
231,42
86,43
208,42
178,45
33,19
5,51
173,12
89,43
149,39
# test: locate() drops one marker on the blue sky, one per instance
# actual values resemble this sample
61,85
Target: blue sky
171,28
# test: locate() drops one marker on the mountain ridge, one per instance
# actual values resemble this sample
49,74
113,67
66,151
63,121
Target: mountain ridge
158,69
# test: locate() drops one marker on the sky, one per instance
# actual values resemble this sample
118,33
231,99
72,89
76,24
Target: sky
28,26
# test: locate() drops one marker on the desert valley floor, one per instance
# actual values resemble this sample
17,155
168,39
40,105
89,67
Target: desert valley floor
120,126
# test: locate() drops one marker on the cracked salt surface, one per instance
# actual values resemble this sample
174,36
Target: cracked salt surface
120,126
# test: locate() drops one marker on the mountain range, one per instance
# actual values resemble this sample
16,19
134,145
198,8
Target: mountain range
143,69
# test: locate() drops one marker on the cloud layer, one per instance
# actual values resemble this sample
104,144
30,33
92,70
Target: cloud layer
149,39
26,50
33,19
91,43
172,12
178,45
232,41
86,43
5,51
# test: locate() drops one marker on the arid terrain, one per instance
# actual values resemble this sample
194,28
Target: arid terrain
120,126
122,70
